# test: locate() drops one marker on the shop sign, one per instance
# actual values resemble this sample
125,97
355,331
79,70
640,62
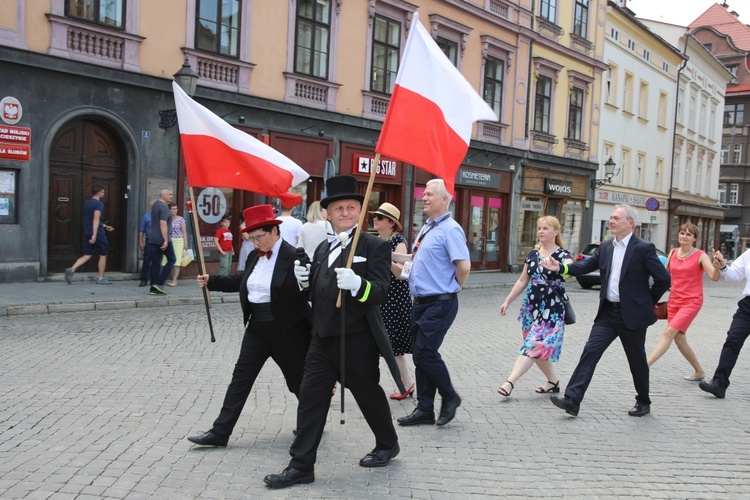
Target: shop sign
628,199
362,165
15,135
532,206
479,178
554,186
11,110
18,152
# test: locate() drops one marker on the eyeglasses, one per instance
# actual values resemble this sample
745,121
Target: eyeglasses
257,239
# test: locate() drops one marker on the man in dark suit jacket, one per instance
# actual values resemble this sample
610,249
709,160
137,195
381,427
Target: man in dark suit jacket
363,288
626,307
276,317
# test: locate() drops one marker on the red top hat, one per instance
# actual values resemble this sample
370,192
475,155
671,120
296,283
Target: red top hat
259,216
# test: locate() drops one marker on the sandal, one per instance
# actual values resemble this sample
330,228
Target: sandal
555,388
502,390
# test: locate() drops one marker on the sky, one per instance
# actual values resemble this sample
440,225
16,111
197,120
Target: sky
684,12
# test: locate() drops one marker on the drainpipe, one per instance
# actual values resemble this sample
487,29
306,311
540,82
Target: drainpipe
674,140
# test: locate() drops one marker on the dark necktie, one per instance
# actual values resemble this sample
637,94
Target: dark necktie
266,254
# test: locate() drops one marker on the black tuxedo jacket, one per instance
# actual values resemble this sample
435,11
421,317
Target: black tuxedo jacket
288,306
637,297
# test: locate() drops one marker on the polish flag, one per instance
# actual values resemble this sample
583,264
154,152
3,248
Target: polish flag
219,155
432,110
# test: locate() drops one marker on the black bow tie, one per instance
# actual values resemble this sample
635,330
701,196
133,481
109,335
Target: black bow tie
266,254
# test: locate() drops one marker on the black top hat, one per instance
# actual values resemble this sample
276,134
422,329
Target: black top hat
341,187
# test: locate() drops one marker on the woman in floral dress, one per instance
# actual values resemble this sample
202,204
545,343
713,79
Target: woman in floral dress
542,313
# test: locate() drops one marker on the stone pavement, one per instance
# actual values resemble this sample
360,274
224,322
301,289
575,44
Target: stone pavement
98,405
55,295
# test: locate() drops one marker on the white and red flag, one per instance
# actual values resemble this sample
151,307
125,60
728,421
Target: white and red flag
219,155
432,110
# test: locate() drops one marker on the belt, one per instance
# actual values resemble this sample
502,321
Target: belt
616,305
428,299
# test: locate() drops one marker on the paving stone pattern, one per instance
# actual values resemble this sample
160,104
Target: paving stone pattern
97,404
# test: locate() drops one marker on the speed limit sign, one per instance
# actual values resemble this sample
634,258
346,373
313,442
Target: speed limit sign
212,205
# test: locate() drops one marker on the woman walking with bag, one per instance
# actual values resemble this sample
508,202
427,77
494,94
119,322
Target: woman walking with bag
542,313
686,265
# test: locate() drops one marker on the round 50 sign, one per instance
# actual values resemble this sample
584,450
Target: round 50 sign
212,205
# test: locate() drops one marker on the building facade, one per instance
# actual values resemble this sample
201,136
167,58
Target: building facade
720,31
87,89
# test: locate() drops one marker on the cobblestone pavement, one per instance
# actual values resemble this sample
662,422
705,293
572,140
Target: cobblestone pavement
98,404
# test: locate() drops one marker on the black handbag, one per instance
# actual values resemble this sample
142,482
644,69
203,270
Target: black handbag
570,314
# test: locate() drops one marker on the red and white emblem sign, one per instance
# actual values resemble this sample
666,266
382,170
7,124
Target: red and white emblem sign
11,110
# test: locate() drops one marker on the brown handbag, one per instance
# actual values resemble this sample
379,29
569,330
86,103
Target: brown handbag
660,309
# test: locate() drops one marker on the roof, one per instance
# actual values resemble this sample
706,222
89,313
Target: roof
738,89
725,22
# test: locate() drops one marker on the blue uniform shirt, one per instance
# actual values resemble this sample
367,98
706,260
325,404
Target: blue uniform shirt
145,226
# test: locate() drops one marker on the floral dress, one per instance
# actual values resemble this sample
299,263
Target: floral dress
542,313
396,311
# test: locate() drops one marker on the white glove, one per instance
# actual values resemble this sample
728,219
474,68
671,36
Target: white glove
347,280
302,273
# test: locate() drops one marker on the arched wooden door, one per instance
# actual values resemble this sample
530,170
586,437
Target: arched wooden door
85,153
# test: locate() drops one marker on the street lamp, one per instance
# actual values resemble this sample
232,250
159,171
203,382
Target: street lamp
609,173
187,79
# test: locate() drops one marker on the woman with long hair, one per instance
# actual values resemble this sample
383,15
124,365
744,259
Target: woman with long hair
314,230
686,264
542,314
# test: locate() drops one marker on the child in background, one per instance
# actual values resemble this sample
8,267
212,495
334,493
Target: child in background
223,242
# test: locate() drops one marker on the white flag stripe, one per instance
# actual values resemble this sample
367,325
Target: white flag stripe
426,70
195,119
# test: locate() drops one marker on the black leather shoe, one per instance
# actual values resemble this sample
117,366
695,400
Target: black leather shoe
713,387
448,410
209,439
379,458
289,477
640,409
418,417
567,404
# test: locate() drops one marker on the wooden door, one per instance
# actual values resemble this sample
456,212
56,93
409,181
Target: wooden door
85,153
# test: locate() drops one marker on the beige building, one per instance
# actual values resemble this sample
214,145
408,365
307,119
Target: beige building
311,78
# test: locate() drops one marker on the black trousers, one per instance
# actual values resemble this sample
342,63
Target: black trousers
736,336
606,329
263,340
362,378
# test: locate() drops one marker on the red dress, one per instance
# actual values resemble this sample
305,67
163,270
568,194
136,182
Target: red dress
686,295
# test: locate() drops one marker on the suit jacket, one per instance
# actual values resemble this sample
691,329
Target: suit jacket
288,306
637,297
373,263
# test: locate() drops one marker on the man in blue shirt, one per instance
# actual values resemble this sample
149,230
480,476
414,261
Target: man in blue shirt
440,266
94,238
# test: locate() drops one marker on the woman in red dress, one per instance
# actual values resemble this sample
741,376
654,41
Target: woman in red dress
686,264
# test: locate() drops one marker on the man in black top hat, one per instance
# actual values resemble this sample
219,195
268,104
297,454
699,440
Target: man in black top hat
365,286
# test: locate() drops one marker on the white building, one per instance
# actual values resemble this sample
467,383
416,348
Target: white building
637,125
698,136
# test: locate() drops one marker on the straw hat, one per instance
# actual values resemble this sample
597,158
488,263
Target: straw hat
391,212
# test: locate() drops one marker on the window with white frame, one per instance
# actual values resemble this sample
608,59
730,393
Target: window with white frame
676,169
217,27
662,109
734,194
624,166
386,46
312,41
581,18
659,174
737,154
643,100
627,93
680,100
722,196
692,111
639,166
725,154
712,122
548,10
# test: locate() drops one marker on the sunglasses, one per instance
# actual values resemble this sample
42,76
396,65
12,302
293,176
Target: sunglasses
379,217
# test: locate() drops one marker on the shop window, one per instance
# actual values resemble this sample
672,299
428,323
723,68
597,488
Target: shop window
571,225
531,210
8,196
217,27
419,216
